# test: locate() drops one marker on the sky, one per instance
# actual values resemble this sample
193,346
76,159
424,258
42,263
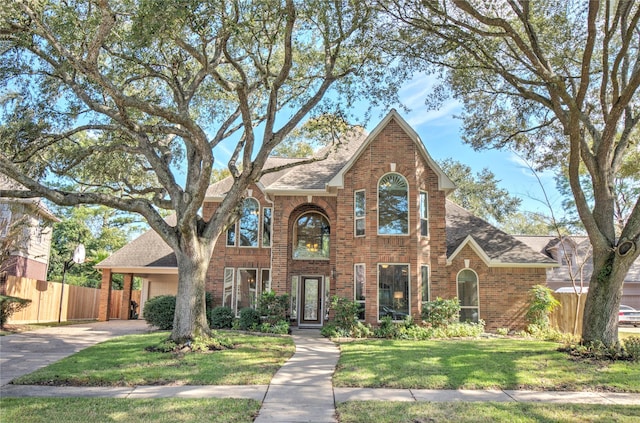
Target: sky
440,131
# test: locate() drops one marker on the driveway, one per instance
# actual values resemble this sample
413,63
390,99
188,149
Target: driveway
25,352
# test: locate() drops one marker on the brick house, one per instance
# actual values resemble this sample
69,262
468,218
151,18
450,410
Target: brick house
25,234
371,223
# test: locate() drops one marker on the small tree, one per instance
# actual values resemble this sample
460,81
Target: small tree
542,303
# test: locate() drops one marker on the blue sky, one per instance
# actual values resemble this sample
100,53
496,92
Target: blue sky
440,132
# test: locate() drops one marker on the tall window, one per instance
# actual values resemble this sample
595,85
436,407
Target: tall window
231,236
246,289
227,293
311,237
265,278
359,207
468,296
249,223
424,275
424,214
359,289
266,227
5,219
393,205
393,291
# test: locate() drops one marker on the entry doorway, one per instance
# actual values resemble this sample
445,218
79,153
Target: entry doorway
311,305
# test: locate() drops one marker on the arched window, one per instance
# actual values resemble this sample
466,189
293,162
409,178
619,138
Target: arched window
249,223
468,296
393,205
311,238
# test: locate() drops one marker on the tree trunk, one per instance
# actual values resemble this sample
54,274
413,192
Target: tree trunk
190,318
600,321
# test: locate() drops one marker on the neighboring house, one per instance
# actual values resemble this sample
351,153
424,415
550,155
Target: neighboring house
25,234
370,223
573,254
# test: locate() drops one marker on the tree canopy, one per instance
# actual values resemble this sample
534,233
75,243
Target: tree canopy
557,82
134,100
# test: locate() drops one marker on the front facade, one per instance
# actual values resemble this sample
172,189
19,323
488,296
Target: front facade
25,235
370,223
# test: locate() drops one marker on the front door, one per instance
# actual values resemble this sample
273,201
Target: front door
311,304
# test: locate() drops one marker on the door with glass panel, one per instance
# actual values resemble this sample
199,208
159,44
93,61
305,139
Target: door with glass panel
311,301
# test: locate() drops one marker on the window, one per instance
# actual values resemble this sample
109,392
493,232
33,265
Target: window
359,207
359,289
227,293
246,289
393,291
468,295
265,278
393,205
266,227
294,298
231,236
424,214
39,231
5,220
424,276
311,240
249,223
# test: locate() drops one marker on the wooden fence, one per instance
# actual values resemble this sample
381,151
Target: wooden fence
564,317
78,303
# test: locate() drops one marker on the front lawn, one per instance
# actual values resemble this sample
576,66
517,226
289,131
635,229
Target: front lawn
477,364
474,412
123,361
47,410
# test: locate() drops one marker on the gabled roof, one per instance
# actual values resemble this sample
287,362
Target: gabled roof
7,183
146,254
318,177
495,247
444,183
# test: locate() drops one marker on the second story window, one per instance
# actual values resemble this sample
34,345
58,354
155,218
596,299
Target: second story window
359,207
424,214
266,227
311,238
393,205
249,223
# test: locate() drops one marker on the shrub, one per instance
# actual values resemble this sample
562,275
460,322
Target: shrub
279,328
159,311
386,329
502,331
10,305
632,347
249,319
273,308
220,317
441,312
460,330
541,304
345,312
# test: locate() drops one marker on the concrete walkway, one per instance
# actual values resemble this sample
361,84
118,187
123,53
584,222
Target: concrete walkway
301,391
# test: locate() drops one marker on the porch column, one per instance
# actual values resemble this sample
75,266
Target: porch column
105,296
126,296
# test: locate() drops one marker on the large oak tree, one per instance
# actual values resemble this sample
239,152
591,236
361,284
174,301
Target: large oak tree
557,81
133,100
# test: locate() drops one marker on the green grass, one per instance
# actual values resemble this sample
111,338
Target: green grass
459,412
477,364
51,410
123,361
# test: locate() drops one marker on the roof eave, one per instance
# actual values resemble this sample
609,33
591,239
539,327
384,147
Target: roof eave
489,262
139,269
444,183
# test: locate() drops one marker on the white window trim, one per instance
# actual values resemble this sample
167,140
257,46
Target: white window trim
422,300
378,204
258,229
363,217
295,237
262,244
355,283
269,288
426,218
477,290
235,240
378,287
237,286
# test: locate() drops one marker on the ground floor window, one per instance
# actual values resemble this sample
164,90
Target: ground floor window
359,289
468,296
424,276
393,291
240,289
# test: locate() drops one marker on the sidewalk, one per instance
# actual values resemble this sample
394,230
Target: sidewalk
301,391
